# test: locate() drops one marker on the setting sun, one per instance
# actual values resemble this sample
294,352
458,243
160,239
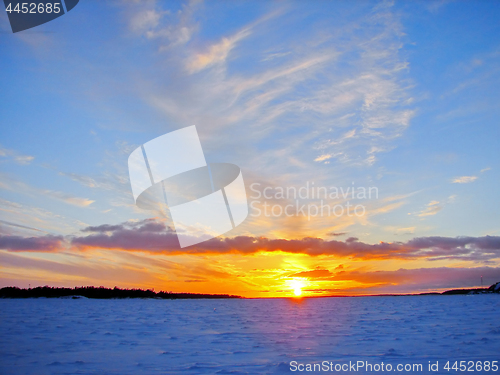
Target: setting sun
297,286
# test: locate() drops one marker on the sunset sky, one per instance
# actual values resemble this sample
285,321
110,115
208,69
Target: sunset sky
402,97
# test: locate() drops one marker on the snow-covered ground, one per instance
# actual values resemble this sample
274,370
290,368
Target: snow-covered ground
84,336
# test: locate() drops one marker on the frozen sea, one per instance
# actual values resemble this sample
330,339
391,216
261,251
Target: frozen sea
245,336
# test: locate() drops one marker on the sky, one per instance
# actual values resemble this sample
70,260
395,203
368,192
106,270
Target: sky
396,98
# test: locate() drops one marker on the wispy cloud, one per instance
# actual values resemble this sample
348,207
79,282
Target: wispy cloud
68,198
343,89
464,179
12,184
170,28
39,218
15,156
432,208
323,157
15,225
400,230
145,21
216,54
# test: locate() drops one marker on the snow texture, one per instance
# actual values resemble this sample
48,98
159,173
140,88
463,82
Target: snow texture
248,336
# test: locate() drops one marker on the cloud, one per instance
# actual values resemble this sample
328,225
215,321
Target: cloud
431,209
8,183
314,274
155,237
171,28
20,226
46,243
337,94
106,181
63,270
276,55
68,198
134,243
422,278
16,157
40,218
145,20
217,53
323,157
464,179
336,234
149,235
400,230
344,90
363,280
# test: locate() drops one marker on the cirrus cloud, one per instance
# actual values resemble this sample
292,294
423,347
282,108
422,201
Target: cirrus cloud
464,179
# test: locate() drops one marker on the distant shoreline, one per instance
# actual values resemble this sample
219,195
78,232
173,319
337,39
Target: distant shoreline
101,293
117,293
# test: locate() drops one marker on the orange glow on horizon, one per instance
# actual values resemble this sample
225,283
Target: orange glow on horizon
262,275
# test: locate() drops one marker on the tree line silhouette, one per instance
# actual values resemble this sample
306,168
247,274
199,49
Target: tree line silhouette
100,293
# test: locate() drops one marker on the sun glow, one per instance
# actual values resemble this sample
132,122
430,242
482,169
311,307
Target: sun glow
297,286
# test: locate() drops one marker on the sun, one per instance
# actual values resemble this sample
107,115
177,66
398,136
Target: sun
297,286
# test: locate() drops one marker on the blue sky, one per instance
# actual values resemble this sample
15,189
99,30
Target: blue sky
402,96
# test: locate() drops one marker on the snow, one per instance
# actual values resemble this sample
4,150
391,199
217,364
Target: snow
252,336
